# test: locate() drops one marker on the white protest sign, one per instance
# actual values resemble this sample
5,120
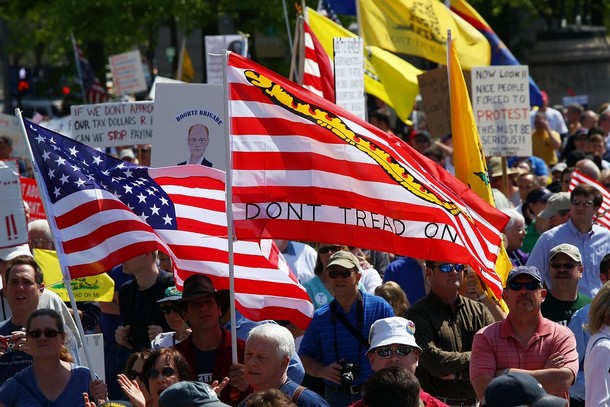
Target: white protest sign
500,101
95,344
113,124
160,79
127,73
59,125
9,126
582,100
214,44
349,75
13,227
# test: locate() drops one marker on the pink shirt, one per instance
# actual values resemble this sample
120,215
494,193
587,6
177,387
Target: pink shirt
495,348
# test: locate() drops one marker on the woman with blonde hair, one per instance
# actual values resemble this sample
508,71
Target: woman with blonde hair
597,356
393,294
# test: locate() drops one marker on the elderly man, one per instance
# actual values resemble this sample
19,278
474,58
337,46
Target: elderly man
335,342
446,323
525,342
208,349
593,241
563,299
268,351
393,344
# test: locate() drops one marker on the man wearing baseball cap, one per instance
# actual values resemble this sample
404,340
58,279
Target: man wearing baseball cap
518,389
393,344
335,343
525,342
557,210
562,298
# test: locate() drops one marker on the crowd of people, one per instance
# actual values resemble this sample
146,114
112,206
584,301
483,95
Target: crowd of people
387,330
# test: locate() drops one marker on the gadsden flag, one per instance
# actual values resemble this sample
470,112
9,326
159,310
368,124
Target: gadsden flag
306,169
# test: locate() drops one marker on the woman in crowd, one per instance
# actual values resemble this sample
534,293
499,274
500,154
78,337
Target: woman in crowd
134,370
597,356
51,379
393,294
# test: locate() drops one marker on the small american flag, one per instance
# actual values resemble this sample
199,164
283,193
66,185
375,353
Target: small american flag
104,211
603,214
94,90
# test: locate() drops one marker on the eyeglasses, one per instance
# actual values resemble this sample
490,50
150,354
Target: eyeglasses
386,352
194,140
328,249
336,273
133,375
165,372
584,204
48,333
168,310
567,266
529,286
449,267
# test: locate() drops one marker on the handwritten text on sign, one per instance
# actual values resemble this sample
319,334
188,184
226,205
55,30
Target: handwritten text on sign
113,124
500,100
349,75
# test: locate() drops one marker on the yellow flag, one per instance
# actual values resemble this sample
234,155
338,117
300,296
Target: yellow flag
387,86
419,27
468,152
186,72
94,288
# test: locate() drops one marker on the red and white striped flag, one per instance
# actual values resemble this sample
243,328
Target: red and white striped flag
318,75
603,214
105,211
306,169
94,90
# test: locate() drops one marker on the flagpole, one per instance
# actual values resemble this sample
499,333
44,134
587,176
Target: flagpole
78,70
229,195
298,29
287,24
48,208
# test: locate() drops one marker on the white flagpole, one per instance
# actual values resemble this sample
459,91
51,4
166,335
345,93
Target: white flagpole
44,196
229,195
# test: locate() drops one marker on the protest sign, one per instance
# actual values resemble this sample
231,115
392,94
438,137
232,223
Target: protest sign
214,44
349,75
95,344
500,102
113,124
127,73
190,126
13,227
29,193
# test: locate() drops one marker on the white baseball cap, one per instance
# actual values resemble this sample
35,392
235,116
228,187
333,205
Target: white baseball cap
392,330
9,253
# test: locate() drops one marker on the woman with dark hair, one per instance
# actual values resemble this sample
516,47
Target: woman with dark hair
134,370
164,367
51,379
534,203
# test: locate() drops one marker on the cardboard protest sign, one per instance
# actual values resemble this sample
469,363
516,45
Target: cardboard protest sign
501,106
349,75
113,124
13,227
190,126
127,73
30,194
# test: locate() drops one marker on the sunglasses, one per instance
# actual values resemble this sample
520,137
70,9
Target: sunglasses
585,204
529,286
567,266
386,352
48,333
168,310
329,249
448,267
132,374
165,372
336,273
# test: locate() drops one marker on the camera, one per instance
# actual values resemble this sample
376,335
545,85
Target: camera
349,373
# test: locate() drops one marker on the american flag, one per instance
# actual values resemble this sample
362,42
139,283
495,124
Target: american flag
306,169
318,74
603,214
94,90
104,211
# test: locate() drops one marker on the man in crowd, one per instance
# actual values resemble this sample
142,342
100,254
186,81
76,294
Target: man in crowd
557,210
562,298
208,349
268,351
446,323
525,342
592,241
335,343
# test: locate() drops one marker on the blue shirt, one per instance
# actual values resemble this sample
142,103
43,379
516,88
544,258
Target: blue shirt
12,361
408,274
593,246
322,335
576,325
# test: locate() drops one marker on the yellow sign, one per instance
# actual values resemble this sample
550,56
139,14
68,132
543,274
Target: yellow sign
94,288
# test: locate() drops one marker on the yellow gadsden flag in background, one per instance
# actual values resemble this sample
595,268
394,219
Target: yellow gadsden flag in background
419,27
95,288
396,86
468,152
